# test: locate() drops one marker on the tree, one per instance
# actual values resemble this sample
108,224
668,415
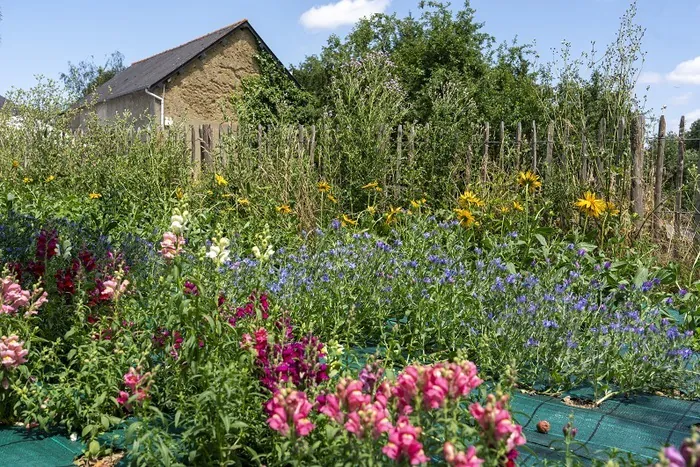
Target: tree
82,79
693,136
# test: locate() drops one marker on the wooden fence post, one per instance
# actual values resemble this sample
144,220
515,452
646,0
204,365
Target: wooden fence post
659,173
196,151
637,174
584,156
679,178
518,145
485,158
534,147
399,147
312,147
206,138
598,157
550,149
501,144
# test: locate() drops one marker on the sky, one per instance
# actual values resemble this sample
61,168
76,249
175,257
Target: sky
40,37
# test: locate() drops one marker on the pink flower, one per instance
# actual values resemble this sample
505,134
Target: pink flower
497,424
12,352
403,443
138,385
329,405
171,245
123,398
289,408
353,396
13,297
461,459
132,379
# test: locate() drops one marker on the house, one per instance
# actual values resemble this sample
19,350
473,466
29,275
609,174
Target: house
2,101
186,84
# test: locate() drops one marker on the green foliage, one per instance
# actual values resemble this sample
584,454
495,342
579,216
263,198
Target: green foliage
82,79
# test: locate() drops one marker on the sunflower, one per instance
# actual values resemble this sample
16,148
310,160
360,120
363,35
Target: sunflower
221,181
284,209
530,180
465,217
371,186
590,205
324,187
348,220
517,206
611,209
469,198
391,215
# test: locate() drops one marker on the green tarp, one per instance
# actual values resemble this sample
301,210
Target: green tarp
32,448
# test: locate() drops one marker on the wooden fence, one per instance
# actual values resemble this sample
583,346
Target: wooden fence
627,159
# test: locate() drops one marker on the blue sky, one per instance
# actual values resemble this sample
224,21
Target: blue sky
39,37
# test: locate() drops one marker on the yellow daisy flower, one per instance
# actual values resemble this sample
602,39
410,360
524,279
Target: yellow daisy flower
371,209
517,206
221,181
27,180
469,198
243,201
95,196
348,220
15,164
611,209
530,180
415,204
324,187
391,215
50,178
179,194
332,198
465,217
284,209
590,205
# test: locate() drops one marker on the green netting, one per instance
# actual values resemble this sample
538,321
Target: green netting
638,425
32,448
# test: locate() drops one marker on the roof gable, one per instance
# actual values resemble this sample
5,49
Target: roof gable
153,70
2,101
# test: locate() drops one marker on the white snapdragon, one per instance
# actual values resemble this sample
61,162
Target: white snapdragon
266,248
178,221
218,251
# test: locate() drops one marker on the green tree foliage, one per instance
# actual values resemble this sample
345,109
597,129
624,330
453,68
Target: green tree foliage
271,97
693,136
82,79
439,48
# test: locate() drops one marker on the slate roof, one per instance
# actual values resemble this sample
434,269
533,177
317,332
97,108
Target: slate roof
2,101
158,68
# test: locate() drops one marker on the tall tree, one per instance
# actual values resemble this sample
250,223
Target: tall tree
82,79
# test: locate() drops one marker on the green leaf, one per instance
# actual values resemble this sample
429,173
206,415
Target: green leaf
94,448
541,239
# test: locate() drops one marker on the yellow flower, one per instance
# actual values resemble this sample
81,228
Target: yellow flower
348,220
243,201
504,210
209,192
332,198
15,164
465,217
530,180
378,189
221,181
284,209
590,205
324,187
391,215
468,198
50,179
370,186
611,209
95,195
27,180
416,204
371,209
517,206
179,193
227,195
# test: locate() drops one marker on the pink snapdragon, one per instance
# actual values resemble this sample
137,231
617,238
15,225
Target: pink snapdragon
171,245
403,443
13,297
113,288
461,459
138,385
289,410
497,424
12,352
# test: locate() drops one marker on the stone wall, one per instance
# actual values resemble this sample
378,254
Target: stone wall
139,105
196,94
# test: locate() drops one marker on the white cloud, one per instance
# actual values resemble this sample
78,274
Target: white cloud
690,117
681,99
687,72
650,77
341,13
